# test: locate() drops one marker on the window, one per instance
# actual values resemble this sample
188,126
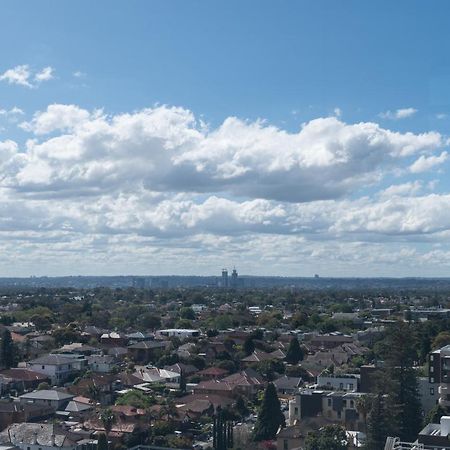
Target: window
431,380
431,357
344,402
296,411
341,385
329,402
43,367
352,403
339,414
432,391
285,444
431,369
350,386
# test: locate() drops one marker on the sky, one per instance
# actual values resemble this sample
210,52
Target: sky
183,136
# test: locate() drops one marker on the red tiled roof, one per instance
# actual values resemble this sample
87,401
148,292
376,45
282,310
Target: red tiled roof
213,371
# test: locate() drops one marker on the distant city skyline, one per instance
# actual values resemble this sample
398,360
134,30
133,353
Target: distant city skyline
173,137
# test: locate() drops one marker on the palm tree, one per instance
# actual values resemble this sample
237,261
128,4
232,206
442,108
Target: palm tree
94,392
108,419
169,410
363,406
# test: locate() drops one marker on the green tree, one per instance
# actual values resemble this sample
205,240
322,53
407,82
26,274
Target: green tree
241,407
184,323
249,346
363,406
6,349
330,437
136,398
187,313
102,442
441,340
108,419
402,382
270,416
434,416
379,426
294,353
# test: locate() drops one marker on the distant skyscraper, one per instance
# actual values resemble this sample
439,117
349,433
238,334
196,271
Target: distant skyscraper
234,279
224,278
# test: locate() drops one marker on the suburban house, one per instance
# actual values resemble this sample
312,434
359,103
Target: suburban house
51,397
147,351
58,368
101,363
155,375
180,333
287,385
22,379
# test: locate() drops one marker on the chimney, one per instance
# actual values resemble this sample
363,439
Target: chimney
34,440
445,425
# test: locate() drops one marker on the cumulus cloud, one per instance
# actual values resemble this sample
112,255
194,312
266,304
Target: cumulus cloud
23,75
12,112
18,75
425,163
166,149
56,118
398,114
117,189
404,189
46,74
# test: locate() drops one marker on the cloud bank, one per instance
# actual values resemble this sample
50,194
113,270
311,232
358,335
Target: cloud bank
160,185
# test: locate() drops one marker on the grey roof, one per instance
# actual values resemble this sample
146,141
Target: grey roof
53,360
29,433
286,382
47,394
149,345
74,406
100,359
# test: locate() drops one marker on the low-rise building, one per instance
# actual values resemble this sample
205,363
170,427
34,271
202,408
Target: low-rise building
338,382
50,397
335,407
180,333
101,363
436,435
59,368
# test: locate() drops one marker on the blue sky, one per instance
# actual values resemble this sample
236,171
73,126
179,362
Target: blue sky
287,138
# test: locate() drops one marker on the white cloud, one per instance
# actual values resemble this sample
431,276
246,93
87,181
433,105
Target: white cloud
18,75
46,74
402,113
406,189
23,75
57,118
425,163
14,111
167,150
116,191
79,74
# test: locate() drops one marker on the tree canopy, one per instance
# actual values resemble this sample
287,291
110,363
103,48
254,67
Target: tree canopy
270,417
